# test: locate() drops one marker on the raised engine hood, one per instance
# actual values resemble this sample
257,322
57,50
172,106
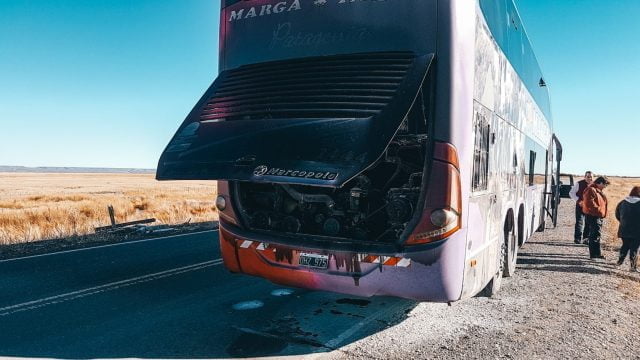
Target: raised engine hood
315,121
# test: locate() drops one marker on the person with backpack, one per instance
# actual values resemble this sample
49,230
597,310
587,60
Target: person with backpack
628,214
595,207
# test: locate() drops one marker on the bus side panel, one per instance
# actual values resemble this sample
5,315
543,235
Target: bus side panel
516,118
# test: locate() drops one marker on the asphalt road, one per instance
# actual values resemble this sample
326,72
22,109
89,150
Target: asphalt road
170,298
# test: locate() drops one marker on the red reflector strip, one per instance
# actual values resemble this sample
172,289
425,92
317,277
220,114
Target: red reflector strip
386,261
392,261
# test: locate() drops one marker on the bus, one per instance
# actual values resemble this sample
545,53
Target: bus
374,147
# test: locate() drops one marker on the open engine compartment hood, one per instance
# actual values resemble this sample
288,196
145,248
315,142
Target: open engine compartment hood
312,121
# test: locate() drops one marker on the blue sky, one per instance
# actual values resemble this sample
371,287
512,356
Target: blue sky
589,51
100,82
105,83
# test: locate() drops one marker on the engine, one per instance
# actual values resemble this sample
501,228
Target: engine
375,206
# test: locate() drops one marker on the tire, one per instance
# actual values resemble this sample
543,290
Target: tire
495,283
520,229
511,250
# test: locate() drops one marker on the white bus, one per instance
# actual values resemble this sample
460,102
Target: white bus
374,147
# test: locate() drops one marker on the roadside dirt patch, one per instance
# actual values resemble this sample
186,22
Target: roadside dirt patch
559,305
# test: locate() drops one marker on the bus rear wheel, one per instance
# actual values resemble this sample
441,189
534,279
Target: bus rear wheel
511,245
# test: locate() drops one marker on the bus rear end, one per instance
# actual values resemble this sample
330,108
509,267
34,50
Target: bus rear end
319,130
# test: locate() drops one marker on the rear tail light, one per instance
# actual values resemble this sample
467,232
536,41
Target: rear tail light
441,216
224,205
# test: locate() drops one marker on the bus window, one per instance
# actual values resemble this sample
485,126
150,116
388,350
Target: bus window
532,166
481,153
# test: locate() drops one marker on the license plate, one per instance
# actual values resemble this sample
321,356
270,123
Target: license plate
315,261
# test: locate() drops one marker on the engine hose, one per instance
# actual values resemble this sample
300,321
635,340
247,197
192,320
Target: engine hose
307,198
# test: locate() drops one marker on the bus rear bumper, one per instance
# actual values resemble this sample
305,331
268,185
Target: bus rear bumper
430,275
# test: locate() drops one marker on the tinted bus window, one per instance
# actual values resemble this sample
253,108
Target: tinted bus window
536,167
481,153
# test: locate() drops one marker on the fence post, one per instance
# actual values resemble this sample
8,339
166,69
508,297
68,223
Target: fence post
112,215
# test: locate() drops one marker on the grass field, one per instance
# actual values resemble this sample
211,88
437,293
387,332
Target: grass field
37,206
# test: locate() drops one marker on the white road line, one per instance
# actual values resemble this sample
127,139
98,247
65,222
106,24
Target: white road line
105,246
103,288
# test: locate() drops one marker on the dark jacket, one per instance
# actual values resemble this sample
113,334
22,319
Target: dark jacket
594,202
628,213
577,190
582,186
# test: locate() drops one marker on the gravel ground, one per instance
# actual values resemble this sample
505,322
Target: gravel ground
559,305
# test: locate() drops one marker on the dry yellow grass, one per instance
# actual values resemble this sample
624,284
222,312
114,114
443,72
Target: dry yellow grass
45,206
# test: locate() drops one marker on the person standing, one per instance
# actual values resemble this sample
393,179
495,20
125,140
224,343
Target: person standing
628,214
595,206
581,231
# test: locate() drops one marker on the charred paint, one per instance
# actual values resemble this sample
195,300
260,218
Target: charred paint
350,262
283,253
